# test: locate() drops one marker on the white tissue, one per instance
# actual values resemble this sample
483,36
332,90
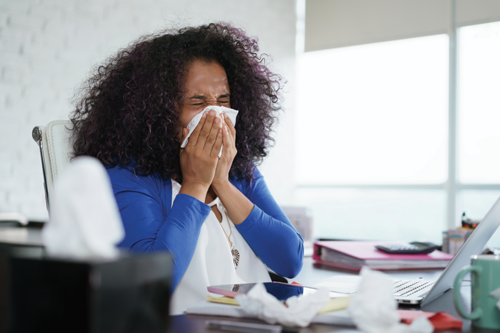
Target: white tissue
496,293
300,311
374,309
84,218
196,119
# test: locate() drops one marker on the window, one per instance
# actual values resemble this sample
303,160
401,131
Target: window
479,120
374,114
373,135
479,104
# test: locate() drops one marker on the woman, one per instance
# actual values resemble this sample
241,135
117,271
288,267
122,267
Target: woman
215,215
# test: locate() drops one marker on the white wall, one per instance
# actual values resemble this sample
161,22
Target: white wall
47,48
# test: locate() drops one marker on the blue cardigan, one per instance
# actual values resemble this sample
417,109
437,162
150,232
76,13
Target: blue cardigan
152,223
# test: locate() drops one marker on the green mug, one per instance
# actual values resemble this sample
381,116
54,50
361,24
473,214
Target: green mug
485,278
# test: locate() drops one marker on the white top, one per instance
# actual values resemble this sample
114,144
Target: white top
212,262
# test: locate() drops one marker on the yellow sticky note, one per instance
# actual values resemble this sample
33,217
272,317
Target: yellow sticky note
223,300
335,304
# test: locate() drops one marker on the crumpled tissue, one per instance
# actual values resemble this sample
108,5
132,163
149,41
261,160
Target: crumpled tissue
231,114
300,311
374,309
84,218
496,293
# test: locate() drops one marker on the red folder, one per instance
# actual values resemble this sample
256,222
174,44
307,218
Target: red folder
353,255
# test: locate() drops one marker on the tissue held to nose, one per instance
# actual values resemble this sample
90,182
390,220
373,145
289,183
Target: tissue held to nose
230,113
84,218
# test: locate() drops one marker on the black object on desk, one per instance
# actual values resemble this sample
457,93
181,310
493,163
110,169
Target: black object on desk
410,248
130,294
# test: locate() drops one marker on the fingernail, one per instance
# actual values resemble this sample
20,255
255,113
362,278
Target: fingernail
212,113
217,120
204,115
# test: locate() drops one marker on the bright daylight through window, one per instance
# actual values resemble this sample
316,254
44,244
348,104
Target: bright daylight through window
374,113
479,118
373,134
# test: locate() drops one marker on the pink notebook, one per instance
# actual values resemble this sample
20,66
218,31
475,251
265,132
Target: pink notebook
354,255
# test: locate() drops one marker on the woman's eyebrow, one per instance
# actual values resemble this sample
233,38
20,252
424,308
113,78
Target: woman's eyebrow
197,97
204,97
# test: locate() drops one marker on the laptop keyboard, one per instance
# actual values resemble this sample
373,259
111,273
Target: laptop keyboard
402,287
410,287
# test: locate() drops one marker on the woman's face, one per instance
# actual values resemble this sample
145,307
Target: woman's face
206,84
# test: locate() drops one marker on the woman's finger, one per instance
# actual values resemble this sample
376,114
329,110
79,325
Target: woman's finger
218,143
227,142
212,135
230,133
206,129
193,139
229,124
185,132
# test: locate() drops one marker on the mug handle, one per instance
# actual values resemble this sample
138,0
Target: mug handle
476,314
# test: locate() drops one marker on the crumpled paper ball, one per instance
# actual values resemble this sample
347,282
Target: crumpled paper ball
84,219
300,311
374,309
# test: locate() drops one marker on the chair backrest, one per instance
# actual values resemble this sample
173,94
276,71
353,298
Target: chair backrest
54,141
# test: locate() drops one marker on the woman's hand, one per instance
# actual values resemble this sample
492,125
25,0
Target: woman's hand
229,151
199,158
236,203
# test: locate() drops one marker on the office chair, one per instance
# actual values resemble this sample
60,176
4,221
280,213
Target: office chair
54,141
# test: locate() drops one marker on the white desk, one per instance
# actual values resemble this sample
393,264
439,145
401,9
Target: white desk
30,238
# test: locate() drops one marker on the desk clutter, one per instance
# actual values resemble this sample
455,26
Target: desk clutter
453,239
352,255
370,310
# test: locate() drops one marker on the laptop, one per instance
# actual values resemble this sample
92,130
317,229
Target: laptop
421,291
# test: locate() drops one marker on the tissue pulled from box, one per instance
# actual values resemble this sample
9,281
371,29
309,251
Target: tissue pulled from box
300,311
374,310
230,113
84,219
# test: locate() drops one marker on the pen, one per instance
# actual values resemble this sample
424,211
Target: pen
247,327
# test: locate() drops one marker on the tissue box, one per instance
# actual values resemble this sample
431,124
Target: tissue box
130,294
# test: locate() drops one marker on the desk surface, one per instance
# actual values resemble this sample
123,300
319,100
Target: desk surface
21,236
311,274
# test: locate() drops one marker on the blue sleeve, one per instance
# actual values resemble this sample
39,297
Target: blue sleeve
144,202
269,232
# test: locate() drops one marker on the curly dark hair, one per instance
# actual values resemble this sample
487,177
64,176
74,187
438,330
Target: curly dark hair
127,111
